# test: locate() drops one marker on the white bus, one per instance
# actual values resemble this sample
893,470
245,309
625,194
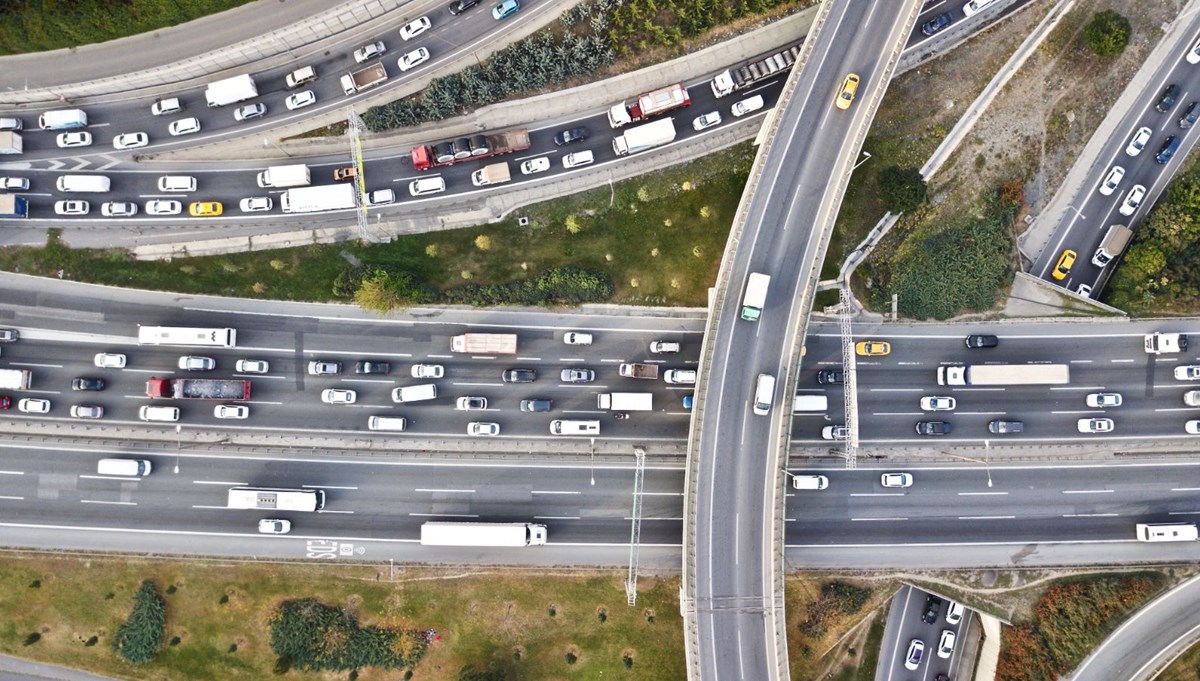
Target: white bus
277,499
182,335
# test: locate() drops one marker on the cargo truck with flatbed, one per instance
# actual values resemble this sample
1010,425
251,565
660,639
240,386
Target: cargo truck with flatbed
363,79
13,206
486,343
748,74
295,175
449,152
643,137
634,370
495,173
231,90
1165,343
317,199
625,401
1004,374
649,104
198,388
15,379
484,535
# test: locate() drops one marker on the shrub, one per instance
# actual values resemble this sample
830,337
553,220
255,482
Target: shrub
1107,33
140,637
470,673
902,189
558,286
32,638
837,598
314,637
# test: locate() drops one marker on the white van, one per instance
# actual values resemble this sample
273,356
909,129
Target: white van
579,158
810,403
764,394
91,184
387,423
680,376
566,427
426,185
1153,532
166,106
63,119
748,105
126,468
815,482
176,183
414,393
149,413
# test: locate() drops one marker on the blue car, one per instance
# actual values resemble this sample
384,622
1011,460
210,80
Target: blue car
936,24
505,9
687,401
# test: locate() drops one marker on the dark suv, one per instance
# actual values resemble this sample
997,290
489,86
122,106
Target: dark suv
536,405
932,605
571,136
369,367
87,384
982,341
459,6
933,428
1004,427
1189,116
519,376
831,376
1168,98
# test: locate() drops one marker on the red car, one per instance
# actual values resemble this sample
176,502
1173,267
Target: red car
5,402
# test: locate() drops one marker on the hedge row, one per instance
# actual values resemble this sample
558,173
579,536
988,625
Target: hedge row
309,636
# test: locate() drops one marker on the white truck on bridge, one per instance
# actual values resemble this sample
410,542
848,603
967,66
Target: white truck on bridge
644,137
500,535
316,199
1004,374
625,401
231,90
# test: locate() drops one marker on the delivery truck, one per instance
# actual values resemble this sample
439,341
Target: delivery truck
755,297
1115,240
199,388
652,103
15,379
316,199
449,152
630,370
11,143
485,343
644,137
496,173
285,176
63,119
13,206
625,401
1004,374
231,90
362,79
485,535
742,77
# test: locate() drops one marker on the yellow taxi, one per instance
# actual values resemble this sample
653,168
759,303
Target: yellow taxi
1065,261
872,348
204,209
849,86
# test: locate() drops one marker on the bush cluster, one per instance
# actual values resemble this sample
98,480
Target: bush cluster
1107,33
558,286
140,637
837,598
309,636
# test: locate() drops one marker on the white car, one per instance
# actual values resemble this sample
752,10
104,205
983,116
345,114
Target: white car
1139,141
300,100
274,526
87,411
369,52
231,411
576,338
535,165
1114,178
1133,199
1094,425
196,363
163,207
916,651
118,209
428,371
1102,400
14,184
412,59
946,644
256,204
166,106
245,113
72,207
1192,427
381,197
471,403
131,140
707,120
938,403
1084,290
954,612
896,480
483,428
324,368
1193,55
252,366
68,140
415,28
184,126
109,360
33,405
1187,373
338,396
838,433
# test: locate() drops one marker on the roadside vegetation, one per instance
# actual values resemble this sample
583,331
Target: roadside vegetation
39,25
834,626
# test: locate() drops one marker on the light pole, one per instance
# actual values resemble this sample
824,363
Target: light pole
592,466
987,453
983,461
281,149
178,445
868,158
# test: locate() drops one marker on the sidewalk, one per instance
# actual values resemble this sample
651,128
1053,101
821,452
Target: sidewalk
17,669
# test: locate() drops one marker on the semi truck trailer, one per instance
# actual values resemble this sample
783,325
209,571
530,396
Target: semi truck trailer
652,103
449,152
231,90
1004,374
369,77
296,175
485,343
499,535
198,388
317,199
748,74
644,137
625,401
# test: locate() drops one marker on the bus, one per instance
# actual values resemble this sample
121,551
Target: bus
277,499
182,335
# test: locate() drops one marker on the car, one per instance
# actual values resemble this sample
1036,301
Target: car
87,411
345,173
184,126
381,197
577,376
1138,142
428,371
118,209
506,9
14,184
687,401
831,376
203,209
1084,290
1103,400
7,123
1167,100
415,28
1063,267
838,433
577,159
661,347
366,366
932,605
470,403
33,405
109,360
1187,373
1189,116
72,207
163,207
412,59
535,165
954,612
1191,427
166,106
9,335
324,368
571,136
252,366
946,644
708,120
195,363
1193,55
536,405
933,428
680,376
518,376
274,526
300,100
459,6
938,403
846,96
577,338
231,411
369,52
338,396
936,24
1109,185
131,140
248,111
1006,427
5,402
1132,200
1094,425
896,480
88,384
982,341
747,105
872,348
70,140
916,650
256,204
483,428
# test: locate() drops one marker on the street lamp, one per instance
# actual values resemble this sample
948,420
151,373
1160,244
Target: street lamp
178,444
868,158
593,462
987,452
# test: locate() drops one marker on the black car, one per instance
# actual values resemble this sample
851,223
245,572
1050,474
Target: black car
933,428
1168,98
1189,116
369,367
87,384
831,376
459,6
932,605
982,341
536,405
519,375
1003,427
936,24
571,136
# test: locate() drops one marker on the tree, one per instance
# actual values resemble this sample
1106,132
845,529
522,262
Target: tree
375,293
1107,33
902,189
140,637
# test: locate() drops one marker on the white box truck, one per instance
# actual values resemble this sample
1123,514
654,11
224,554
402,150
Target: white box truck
755,297
1165,343
499,535
1115,241
277,499
11,143
231,90
625,401
496,173
1004,374
316,199
644,137
488,343
15,379
285,176
63,119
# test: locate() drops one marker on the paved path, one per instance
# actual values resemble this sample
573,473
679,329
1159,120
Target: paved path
17,669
